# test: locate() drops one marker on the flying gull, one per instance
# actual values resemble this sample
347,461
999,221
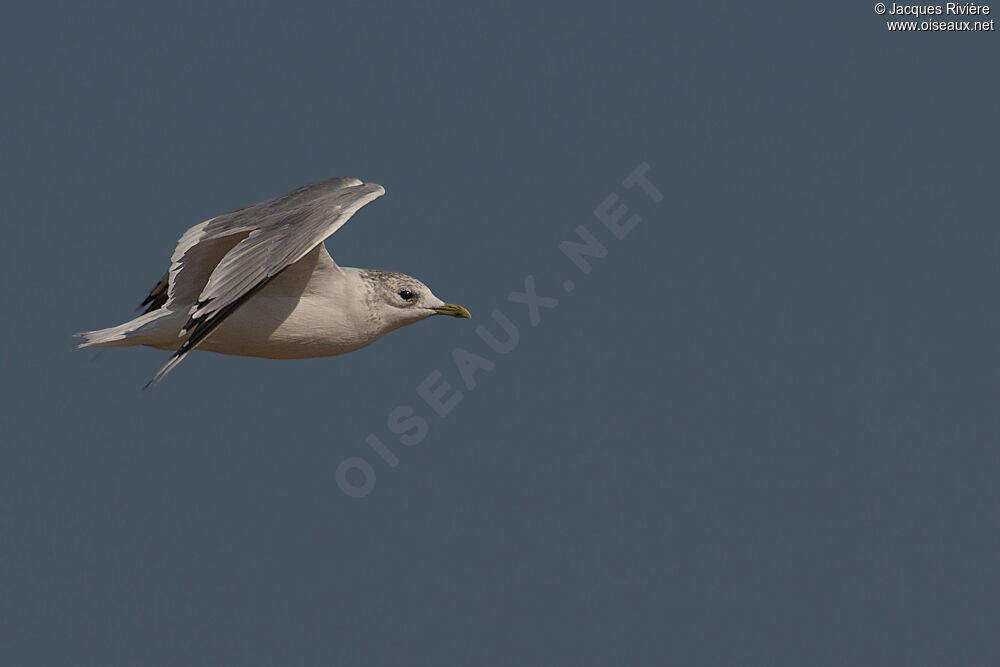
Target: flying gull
258,282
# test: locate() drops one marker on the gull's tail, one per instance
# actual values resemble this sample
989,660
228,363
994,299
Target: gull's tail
143,330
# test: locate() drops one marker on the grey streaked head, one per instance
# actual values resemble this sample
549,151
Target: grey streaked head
398,299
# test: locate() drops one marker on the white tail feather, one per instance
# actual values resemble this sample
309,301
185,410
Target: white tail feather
140,331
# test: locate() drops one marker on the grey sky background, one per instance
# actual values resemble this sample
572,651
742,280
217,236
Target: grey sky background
762,431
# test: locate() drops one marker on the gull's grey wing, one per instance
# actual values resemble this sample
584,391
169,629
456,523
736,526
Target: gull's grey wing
201,249
272,236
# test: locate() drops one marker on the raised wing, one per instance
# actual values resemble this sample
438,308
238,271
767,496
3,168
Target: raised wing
266,238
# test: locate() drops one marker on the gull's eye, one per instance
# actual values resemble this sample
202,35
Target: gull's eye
406,294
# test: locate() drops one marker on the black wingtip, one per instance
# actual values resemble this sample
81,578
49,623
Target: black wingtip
174,359
148,300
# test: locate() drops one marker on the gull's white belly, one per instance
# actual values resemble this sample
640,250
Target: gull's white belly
287,327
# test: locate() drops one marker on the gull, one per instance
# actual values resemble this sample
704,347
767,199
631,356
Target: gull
259,282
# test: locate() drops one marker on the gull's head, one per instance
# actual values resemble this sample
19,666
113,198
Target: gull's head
397,299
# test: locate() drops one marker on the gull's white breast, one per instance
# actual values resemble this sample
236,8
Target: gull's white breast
312,309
